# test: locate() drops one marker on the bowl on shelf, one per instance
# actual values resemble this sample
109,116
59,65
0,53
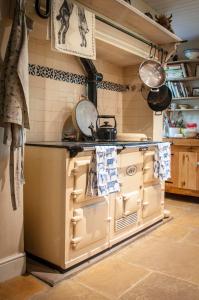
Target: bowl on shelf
189,134
183,106
191,53
173,131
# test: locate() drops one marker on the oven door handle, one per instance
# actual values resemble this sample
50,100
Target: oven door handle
75,241
143,148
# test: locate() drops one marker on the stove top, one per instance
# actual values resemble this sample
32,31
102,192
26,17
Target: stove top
75,147
90,144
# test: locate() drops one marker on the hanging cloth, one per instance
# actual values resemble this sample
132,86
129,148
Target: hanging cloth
14,96
162,163
72,29
103,175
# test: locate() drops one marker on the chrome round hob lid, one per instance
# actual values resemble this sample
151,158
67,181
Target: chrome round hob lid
84,115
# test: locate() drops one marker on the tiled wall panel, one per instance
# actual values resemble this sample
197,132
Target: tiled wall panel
137,117
52,100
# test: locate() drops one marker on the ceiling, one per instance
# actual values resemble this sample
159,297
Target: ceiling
185,16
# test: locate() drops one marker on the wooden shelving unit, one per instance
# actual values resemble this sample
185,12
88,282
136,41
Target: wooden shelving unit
117,47
186,61
193,78
124,34
184,82
186,98
183,109
131,18
178,88
184,159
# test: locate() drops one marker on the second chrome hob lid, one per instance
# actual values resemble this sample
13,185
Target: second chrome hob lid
85,114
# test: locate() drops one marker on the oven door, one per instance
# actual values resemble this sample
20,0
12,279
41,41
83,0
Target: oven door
128,201
90,228
127,206
80,177
148,168
131,170
152,201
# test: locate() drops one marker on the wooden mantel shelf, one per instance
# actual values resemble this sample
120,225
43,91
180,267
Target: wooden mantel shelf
117,47
128,16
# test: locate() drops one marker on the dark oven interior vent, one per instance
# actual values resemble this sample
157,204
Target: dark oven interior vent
126,221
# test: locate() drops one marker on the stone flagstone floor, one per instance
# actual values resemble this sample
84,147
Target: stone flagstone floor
163,265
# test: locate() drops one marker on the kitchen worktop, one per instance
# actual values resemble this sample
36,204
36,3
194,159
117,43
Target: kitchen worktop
182,141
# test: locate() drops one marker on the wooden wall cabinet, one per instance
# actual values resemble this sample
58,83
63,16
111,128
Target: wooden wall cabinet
188,170
173,181
184,168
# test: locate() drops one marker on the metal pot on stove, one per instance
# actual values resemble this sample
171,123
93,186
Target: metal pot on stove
105,131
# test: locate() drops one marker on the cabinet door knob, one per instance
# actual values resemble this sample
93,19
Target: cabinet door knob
197,164
146,169
126,213
76,193
75,241
76,219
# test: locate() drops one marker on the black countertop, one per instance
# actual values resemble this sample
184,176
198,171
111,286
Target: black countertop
75,147
68,145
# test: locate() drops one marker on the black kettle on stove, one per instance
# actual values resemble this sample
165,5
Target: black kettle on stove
105,131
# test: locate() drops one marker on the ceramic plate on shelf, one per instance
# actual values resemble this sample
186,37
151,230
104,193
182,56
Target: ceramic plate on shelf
184,106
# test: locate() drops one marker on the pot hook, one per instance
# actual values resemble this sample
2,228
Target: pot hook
151,50
43,13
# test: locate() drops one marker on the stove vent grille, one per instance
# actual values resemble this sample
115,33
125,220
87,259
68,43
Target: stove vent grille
126,221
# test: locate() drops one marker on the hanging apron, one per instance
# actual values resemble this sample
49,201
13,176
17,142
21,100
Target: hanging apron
14,96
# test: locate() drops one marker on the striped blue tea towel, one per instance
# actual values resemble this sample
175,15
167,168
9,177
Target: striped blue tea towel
103,174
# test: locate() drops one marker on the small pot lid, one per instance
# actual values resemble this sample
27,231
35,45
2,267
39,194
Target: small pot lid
85,114
152,73
106,125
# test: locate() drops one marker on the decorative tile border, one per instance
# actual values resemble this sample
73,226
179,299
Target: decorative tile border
45,72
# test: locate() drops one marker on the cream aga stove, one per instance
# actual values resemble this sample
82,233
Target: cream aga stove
65,227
